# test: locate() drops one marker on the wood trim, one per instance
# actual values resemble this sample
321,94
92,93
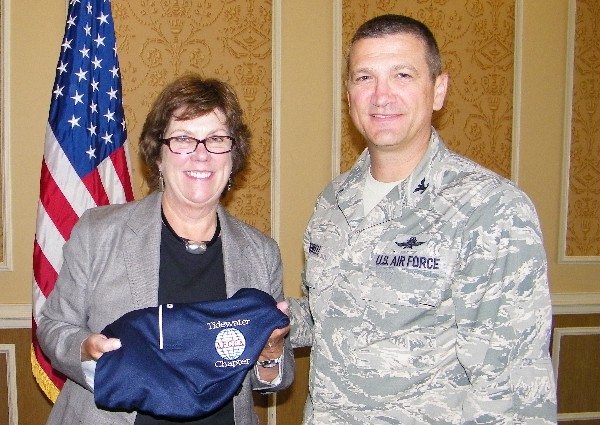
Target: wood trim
11,378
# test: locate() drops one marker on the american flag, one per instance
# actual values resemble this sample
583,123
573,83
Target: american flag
85,154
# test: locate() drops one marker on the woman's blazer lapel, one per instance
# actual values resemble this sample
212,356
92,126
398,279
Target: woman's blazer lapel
142,250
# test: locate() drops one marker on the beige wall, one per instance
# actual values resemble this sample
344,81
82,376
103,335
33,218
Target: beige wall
36,32
303,149
542,134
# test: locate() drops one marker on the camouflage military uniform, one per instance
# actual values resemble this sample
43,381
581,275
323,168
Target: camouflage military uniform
431,309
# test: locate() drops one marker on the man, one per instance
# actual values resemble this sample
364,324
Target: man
426,288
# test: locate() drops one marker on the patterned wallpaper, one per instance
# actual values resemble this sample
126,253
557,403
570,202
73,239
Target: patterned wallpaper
231,40
583,220
476,39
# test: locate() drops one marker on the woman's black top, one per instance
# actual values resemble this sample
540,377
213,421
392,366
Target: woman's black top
185,278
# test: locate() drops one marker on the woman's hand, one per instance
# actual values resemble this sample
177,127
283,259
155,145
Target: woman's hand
97,344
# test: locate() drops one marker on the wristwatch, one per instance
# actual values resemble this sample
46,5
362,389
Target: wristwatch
269,363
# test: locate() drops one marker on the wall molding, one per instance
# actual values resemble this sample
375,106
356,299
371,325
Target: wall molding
6,264
517,83
276,25
11,378
566,156
15,316
338,53
580,416
276,124
576,303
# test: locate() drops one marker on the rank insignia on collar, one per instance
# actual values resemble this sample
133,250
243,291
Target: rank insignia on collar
313,248
410,243
422,187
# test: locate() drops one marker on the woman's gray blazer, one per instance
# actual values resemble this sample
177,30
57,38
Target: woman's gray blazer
110,267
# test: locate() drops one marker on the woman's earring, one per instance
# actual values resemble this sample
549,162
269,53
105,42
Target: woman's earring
161,181
229,183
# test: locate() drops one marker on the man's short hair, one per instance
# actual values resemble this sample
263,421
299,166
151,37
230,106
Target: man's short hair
384,25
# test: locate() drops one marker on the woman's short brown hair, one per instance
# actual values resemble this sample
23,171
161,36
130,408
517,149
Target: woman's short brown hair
192,96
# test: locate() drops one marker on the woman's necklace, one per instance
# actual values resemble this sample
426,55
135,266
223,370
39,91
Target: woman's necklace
193,247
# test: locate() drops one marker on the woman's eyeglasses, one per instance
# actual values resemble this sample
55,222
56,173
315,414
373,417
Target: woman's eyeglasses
183,145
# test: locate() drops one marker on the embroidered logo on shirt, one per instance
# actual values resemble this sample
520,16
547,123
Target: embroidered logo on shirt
230,344
410,243
422,187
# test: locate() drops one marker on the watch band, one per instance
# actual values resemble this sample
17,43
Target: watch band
269,363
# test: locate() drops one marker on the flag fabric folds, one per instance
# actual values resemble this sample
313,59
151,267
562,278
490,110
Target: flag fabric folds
85,160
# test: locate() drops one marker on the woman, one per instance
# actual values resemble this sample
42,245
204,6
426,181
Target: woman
176,245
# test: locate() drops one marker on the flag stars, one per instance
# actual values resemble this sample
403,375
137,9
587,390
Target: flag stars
81,74
112,94
91,152
107,138
85,52
74,121
58,91
71,21
77,98
97,62
90,101
103,18
66,44
62,67
99,41
110,116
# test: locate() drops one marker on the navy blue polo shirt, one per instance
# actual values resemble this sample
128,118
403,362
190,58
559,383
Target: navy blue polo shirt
185,360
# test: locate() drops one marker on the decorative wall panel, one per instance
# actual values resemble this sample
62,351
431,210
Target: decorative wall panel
477,42
227,39
575,342
2,124
8,385
21,398
583,218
